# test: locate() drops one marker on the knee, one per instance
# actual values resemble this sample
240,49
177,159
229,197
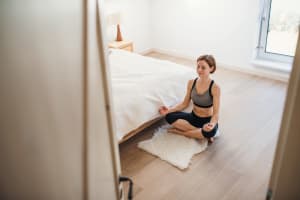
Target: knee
209,134
170,118
179,121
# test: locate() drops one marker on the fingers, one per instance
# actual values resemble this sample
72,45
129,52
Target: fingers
205,127
208,127
164,108
163,111
211,125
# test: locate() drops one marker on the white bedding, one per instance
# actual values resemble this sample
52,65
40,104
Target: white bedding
140,85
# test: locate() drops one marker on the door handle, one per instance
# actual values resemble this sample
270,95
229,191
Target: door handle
123,179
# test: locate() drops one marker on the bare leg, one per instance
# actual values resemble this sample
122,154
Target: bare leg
211,140
183,125
174,130
195,133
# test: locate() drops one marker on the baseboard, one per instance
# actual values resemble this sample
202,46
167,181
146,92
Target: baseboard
146,51
270,74
173,53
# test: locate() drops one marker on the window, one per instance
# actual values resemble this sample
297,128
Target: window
279,22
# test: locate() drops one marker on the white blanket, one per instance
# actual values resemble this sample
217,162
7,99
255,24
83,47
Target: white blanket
140,85
175,149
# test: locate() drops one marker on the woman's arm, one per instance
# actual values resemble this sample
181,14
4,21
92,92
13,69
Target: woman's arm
185,103
216,92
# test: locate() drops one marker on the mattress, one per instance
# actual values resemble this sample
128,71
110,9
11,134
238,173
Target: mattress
140,85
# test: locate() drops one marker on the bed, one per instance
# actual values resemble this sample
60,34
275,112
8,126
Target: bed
140,85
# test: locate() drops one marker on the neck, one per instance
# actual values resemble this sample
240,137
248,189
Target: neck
204,79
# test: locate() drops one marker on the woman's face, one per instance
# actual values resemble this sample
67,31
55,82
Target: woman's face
203,68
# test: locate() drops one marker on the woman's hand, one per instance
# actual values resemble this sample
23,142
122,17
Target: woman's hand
209,126
163,110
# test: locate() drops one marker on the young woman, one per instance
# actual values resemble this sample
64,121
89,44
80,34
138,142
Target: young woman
202,122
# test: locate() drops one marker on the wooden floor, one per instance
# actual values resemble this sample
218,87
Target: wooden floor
237,165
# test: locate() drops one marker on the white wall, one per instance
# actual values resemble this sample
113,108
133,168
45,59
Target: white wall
190,28
135,21
193,27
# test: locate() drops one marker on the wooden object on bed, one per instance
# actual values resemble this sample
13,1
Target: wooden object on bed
139,129
125,45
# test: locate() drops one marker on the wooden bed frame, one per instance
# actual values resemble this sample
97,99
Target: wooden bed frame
140,128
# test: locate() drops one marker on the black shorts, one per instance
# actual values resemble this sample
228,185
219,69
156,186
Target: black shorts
194,120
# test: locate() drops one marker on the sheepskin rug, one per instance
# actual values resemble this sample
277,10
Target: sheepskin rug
176,149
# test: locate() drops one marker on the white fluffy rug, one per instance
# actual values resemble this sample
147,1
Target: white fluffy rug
175,149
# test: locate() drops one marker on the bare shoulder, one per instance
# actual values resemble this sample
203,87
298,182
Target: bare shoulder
216,90
190,83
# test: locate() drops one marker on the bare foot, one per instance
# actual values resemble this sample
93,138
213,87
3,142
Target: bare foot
170,129
174,130
210,140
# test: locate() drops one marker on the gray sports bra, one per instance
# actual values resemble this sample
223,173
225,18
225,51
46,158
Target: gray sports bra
204,100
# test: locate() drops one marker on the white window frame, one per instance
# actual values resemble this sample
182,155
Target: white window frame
262,54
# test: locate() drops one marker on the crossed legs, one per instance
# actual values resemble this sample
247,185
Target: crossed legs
183,127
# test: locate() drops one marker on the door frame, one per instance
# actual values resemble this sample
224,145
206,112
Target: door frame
285,159
95,43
